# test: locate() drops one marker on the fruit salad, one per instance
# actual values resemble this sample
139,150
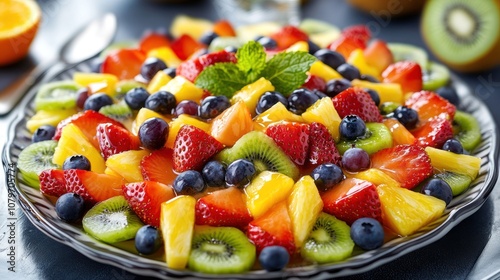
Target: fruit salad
224,151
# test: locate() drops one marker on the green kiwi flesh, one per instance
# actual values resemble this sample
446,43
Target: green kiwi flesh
34,159
118,111
376,138
458,182
467,130
57,96
402,52
124,86
436,76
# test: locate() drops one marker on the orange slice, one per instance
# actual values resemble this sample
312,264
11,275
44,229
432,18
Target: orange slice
18,27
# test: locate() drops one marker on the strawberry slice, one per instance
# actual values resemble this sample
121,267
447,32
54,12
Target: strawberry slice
193,147
314,82
322,145
433,133
224,28
346,45
224,208
407,164
358,32
52,182
352,199
93,187
292,138
153,41
190,69
289,35
355,101
123,63
273,228
406,73
114,139
185,46
429,105
158,166
145,199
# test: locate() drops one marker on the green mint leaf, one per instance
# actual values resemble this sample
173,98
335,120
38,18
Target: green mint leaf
287,70
251,60
222,79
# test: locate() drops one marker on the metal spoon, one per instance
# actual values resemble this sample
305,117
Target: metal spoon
86,43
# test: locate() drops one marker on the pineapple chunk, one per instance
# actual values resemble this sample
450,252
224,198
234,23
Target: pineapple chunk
167,55
375,176
177,227
194,27
251,93
388,92
299,46
97,82
457,163
276,113
323,111
183,89
177,123
324,71
46,117
159,80
304,206
405,211
128,164
357,58
231,124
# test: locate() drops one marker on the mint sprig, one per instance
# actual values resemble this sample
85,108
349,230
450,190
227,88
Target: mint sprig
251,60
222,79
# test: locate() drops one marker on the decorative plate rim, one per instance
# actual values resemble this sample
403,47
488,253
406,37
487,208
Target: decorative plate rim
40,211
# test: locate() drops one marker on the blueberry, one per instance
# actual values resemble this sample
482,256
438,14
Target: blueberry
162,102
327,175
268,100
319,93
231,49
44,132
301,99
214,174
136,98
313,48
153,133
454,146
330,58
81,96
76,162
96,65
349,71
406,116
70,207
438,188
355,159
274,258
240,172
267,42
374,95
369,78
367,233
207,37
147,240
450,94
212,106
336,86
189,182
97,101
151,66
352,127
188,107
170,71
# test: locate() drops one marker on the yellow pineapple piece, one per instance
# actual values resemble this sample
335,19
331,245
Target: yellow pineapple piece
48,117
304,206
183,89
318,68
111,172
251,93
405,211
194,27
74,142
177,123
128,164
97,82
357,58
177,226
388,92
375,176
265,190
323,111
250,31
167,55
299,46
143,115
458,163
325,38
159,80
278,112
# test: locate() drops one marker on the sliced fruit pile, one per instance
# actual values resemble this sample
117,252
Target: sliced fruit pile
265,152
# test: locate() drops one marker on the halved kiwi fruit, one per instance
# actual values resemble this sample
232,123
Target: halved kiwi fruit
463,34
34,159
59,95
376,138
466,130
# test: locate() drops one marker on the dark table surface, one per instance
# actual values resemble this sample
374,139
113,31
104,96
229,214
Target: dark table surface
470,250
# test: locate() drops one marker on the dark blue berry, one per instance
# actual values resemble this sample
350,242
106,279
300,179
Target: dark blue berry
162,102
313,48
369,78
76,162
352,127
367,233
70,207
330,58
374,95
300,100
97,101
454,146
268,100
319,93
439,189
208,37
355,160
214,174
240,172
81,96
450,94
96,65
336,86
170,71
349,71
147,240
136,98
268,43
326,176
406,116
151,66
188,107
274,258
189,182
153,133
44,132
231,49
212,106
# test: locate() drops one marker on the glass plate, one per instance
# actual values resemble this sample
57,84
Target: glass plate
40,211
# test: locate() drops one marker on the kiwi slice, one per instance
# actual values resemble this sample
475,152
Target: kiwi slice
458,182
376,138
466,129
124,86
402,52
329,241
257,147
435,76
221,250
220,43
463,34
112,220
118,111
34,159
59,95
388,107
